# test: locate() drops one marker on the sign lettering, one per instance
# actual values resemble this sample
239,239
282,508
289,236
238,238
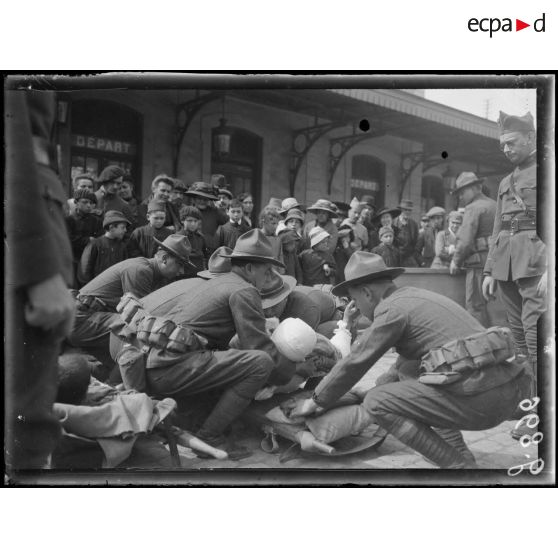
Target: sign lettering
104,144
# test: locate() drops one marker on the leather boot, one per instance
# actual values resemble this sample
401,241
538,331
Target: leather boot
423,440
455,439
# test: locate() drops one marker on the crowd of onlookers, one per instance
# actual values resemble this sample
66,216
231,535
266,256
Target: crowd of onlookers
107,224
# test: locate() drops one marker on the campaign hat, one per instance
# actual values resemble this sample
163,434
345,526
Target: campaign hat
466,179
364,267
177,245
512,123
277,289
254,246
217,264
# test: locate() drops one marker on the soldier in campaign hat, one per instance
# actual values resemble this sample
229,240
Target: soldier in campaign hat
425,416
216,310
516,260
472,241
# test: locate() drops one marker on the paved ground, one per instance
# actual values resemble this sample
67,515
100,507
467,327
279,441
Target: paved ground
493,449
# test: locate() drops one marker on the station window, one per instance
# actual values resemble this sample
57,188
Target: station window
368,178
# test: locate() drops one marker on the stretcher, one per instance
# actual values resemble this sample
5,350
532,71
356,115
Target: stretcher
260,414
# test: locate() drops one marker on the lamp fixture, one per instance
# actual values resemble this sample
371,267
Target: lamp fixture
222,136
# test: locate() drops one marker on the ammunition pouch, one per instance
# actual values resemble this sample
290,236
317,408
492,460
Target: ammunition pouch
158,332
90,304
448,363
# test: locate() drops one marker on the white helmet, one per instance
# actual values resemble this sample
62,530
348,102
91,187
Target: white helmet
294,339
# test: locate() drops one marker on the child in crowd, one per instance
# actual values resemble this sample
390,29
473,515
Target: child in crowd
269,219
317,263
103,252
289,245
228,234
191,219
343,250
82,225
141,241
386,249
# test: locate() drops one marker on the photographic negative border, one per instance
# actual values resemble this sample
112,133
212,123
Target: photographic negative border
545,88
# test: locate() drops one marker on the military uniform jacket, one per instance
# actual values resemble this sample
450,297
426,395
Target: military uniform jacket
471,246
413,321
519,254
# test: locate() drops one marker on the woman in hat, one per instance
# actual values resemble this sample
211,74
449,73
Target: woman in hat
325,211
445,242
290,242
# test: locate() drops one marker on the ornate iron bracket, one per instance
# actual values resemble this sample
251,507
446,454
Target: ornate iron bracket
184,114
410,161
338,148
303,140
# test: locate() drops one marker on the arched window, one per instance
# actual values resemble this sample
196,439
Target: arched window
432,192
105,133
242,165
368,175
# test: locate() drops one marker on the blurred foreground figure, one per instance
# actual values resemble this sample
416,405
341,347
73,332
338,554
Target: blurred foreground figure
39,308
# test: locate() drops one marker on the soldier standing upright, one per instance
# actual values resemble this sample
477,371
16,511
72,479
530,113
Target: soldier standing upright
516,260
471,247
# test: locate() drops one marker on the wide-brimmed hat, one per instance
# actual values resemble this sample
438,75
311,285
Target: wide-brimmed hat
369,201
217,264
114,216
254,246
294,213
316,235
202,190
405,204
274,202
290,203
384,211
225,192
110,173
324,205
179,186
155,205
177,245
455,217
363,267
436,211
466,179
277,289
219,180
288,235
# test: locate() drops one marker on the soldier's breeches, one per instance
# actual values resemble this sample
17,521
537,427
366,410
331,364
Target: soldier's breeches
474,301
523,307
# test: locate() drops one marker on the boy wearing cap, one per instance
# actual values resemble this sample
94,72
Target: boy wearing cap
444,246
472,241
142,241
204,196
317,263
386,249
82,225
108,199
425,415
426,245
228,234
191,220
97,300
407,234
290,242
161,189
103,252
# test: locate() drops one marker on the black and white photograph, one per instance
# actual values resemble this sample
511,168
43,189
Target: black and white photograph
270,279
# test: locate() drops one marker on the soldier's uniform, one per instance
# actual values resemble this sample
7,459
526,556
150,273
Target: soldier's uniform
517,256
471,251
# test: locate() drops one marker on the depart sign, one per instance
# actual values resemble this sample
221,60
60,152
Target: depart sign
104,144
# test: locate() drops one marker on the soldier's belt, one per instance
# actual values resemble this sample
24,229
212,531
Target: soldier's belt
522,224
157,332
448,363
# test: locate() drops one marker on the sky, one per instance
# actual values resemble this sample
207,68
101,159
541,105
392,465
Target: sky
486,103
